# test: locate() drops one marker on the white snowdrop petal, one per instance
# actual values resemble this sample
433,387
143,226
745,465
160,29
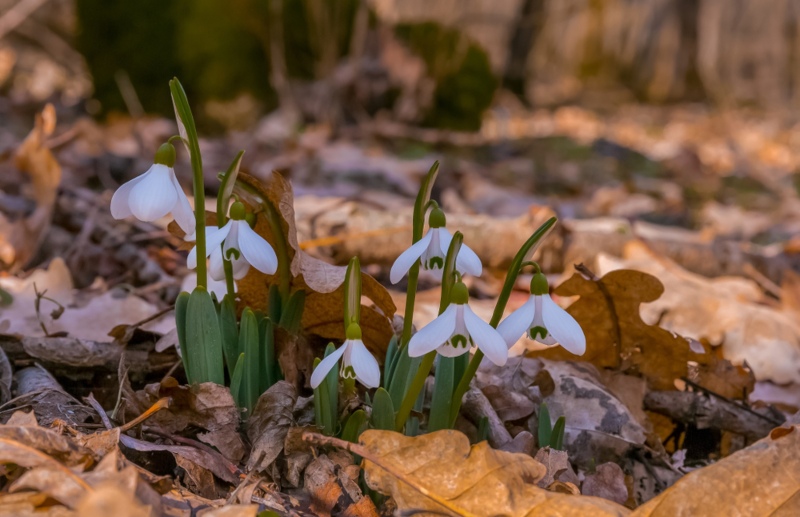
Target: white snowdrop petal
408,257
431,336
120,201
468,261
216,268
182,211
256,250
240,268
154,196
486,338
517,323
325,366
215,236
364,364
563,327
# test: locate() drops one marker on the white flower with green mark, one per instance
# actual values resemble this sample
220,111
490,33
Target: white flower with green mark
457,330
240,244
155,194
432,249
544,321
357,362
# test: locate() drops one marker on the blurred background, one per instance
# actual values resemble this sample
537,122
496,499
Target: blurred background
680,113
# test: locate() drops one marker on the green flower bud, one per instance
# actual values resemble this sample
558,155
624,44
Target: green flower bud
353,331
437,219
459,294
539,284
165,155
237,211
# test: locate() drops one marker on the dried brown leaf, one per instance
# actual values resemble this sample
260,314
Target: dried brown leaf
269,424
324,308
760,480
439,472
618,338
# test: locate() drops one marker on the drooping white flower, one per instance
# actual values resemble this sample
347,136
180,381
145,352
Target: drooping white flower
357,362
432,249
240,244
155,194
457,330
544,321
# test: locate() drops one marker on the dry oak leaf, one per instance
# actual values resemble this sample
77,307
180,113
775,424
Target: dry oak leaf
322,282
20,239
618,338
727,309
440,473
760,480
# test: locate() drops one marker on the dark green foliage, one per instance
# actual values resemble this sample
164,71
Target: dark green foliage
138,38
382,411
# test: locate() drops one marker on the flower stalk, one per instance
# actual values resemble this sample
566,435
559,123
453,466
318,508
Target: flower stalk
189,134
522,255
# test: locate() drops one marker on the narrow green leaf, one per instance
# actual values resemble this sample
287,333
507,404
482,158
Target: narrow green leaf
442,394
274,303
545,426
204,339
319,399
180,324
382,411
292,312
483,429
403,373
236,382
390,362
230,332
332,383
448,272
557,437
267,333
227,181
355,425
423,196
352,293
249,343
461,364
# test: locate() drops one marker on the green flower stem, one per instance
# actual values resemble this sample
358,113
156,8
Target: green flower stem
420,207
526,250
186,119
418,382
228,179
281,250
230,287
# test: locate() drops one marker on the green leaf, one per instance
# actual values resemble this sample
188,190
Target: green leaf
332,383
180,324
545,429
267,332
227,181
230,332
423,196
352,293
390,362
274,303
483,429
236,382
326,398
251,346
204,339
557,437
292,312
448,272
382,411
355,425
461,364
442,394
403,374
5,297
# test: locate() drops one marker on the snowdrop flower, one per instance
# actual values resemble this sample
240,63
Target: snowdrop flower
457,330
240,244
357,362
155,194
432,249
544,321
